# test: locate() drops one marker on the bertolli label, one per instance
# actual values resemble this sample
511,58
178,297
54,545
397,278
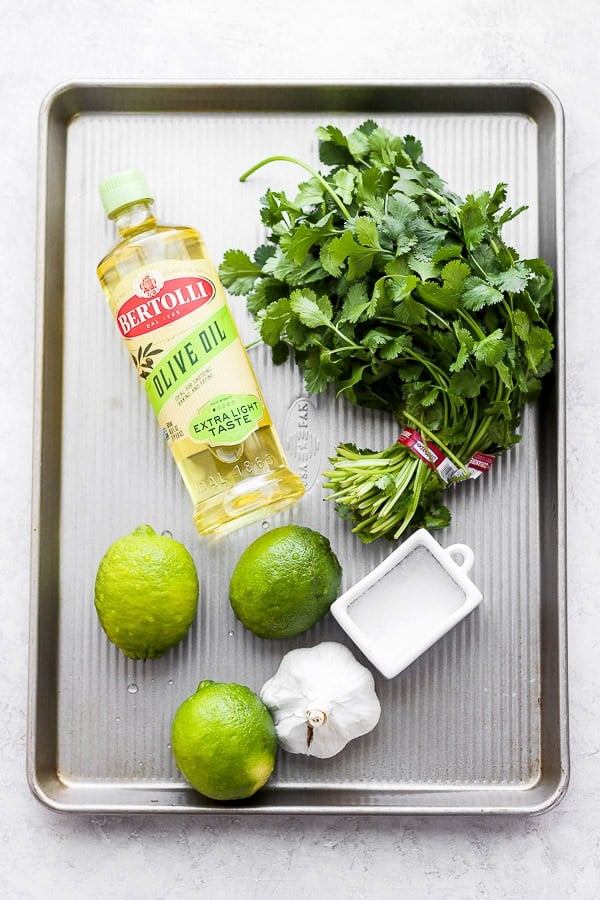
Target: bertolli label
157,303
184,343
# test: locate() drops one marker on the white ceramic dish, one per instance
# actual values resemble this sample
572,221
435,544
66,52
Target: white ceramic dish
408,602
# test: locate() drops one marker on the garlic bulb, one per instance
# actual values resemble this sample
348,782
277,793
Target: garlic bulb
320,698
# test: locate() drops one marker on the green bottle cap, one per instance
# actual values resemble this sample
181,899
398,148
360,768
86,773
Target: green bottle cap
123,188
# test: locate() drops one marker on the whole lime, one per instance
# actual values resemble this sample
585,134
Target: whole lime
224,741
146,593
285,581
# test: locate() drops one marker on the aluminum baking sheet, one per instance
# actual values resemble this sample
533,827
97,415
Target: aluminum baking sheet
477,724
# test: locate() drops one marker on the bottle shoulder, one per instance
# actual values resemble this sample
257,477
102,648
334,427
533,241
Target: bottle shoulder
153,244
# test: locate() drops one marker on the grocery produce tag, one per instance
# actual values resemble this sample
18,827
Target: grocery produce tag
437,459
429,453
480,463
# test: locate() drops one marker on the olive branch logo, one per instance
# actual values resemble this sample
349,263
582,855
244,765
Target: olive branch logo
143,359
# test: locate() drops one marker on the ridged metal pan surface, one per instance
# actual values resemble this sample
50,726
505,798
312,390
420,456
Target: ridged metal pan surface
477,724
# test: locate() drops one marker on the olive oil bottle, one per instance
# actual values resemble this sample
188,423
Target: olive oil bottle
173,316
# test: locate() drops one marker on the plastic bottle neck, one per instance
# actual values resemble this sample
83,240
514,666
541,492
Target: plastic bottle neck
134,217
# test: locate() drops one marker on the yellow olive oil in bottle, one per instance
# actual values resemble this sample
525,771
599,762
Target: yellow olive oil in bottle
173,316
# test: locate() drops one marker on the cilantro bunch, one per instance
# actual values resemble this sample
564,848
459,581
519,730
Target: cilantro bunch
405,298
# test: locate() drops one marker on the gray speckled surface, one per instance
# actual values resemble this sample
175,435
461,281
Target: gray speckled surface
555,855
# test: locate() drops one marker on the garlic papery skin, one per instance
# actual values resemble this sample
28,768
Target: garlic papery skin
321,698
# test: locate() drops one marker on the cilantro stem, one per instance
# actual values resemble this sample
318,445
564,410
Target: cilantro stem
470,321
420,479
444,201
437,374
350,343
292,159
468,442
475,263
486,421
402,483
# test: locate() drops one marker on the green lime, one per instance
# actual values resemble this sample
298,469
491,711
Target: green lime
146,593
224,741
285,581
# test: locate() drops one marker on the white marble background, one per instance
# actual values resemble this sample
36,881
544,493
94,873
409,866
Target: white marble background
45,42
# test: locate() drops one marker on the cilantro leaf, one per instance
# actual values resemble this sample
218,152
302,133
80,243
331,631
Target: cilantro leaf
274,321
398,223
296,244
375,338
366,233
474,219
405,298
411,312
345,385
513,280
395,347
466,383
465,347
522,324
345,249
425,267
413,148
355,304
344,180
336,148
319,370
479,293
539,347
491,348
370,193
237,272
311,310
385,148
310,193
284,269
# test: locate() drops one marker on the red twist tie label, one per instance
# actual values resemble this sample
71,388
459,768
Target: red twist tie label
438,460
480,463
